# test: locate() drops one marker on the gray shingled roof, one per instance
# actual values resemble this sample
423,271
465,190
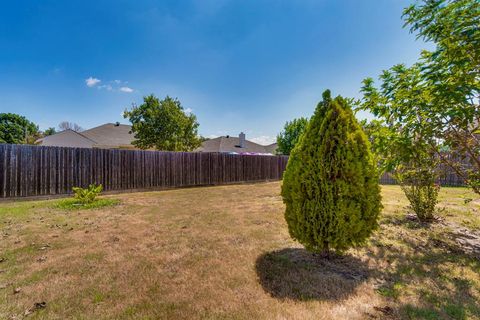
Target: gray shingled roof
231,144
110,135
272,148
107,136
66,138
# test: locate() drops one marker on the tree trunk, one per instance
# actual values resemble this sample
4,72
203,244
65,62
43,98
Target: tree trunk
325,253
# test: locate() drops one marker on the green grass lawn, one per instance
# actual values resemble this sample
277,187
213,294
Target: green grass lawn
225,253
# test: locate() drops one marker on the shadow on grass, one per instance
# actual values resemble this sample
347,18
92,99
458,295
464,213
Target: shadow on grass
408,221
441,277
294,273
438,272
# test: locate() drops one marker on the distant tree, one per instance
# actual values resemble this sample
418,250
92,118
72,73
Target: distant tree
330,186
49,131
163,125
65,125
436,100
288,138
17,129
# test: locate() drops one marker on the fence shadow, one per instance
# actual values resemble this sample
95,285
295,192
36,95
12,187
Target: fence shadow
294,273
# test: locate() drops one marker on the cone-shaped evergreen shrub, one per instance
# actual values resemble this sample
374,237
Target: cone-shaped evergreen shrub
330,186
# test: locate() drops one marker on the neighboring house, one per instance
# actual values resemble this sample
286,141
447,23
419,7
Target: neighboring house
107,136
229,144
119,136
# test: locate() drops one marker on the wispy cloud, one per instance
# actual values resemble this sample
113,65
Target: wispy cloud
112,85
263,140
188,111
126,89
106,86
92,82
56,71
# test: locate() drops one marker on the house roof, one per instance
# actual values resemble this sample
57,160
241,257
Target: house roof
271,148
108,135
232,144
66,138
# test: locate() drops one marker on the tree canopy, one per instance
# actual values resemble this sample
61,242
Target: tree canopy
49,131
433,105
288,138
17,129
163,125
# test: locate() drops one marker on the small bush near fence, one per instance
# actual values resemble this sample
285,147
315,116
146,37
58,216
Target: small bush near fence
73,204
87,195
86,198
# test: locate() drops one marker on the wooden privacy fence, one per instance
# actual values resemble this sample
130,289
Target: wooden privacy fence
446,175
447,178
35,170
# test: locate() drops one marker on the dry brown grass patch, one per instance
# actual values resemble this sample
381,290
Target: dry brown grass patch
225,253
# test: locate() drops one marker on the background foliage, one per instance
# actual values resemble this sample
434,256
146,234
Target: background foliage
17,129
433,105
163,125
288,138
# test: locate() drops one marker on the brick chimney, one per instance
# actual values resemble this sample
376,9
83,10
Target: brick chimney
241,140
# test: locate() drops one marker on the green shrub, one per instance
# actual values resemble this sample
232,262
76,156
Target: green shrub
73,204
330,186
87,195
86,198
420,188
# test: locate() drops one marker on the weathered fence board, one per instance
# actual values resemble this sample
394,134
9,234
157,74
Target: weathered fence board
447,178
446,175
35,170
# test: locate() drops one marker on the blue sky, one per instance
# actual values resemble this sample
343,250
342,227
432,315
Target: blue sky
239,65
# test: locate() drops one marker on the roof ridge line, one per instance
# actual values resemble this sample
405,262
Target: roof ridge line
80,134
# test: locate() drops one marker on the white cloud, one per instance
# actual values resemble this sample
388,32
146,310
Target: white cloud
126,89
106,86
188,111
263,140
110,85
92,82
